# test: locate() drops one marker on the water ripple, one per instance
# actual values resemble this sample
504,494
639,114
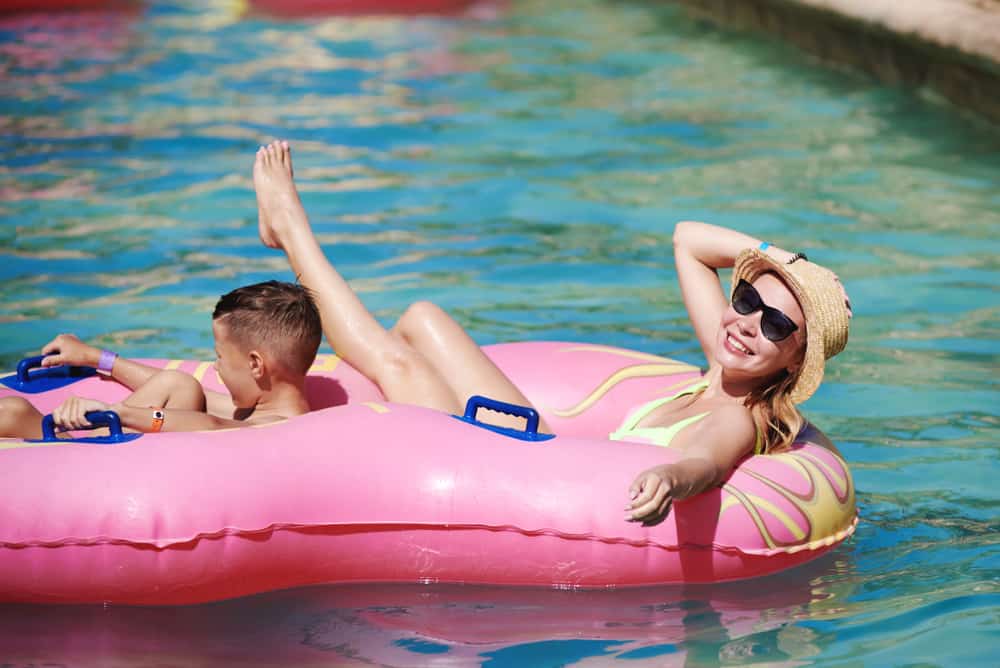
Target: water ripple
525,172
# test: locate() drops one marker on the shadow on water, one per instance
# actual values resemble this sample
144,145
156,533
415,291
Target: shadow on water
453,625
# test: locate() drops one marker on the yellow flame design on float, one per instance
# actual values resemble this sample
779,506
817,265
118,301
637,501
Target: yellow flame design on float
200,371
829,515
658,366
324,363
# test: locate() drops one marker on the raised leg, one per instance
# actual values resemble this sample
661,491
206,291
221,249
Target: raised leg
19,419
402,373
458,359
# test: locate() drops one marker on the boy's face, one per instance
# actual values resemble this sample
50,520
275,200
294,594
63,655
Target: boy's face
234,367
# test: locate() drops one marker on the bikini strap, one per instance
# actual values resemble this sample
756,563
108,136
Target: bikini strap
647,408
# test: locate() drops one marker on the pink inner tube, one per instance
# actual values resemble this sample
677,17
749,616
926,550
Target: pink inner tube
362,490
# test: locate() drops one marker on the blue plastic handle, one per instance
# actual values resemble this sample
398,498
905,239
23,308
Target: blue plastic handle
97,419
476,402
46,378
26,365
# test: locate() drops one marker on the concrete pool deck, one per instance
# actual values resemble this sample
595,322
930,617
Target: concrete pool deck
948,47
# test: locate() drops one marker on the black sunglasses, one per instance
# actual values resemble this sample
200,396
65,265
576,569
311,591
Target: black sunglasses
775,325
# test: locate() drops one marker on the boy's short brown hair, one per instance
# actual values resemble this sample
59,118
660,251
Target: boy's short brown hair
277,317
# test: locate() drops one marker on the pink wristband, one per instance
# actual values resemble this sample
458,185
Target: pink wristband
106,362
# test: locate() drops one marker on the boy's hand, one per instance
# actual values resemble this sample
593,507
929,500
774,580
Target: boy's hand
71,413
650,495
69,350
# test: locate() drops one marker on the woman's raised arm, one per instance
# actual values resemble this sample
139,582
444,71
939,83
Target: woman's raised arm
700,250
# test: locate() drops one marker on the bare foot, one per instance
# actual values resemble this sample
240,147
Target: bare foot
263,221
279,209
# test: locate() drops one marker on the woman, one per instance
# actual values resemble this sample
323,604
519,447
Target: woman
766,349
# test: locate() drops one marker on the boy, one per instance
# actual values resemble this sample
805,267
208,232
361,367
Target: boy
266,338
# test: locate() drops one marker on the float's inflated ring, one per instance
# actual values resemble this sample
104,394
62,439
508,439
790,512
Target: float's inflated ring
365,490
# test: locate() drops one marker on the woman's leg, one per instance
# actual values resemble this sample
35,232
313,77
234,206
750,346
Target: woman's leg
402,373
458,359
19,419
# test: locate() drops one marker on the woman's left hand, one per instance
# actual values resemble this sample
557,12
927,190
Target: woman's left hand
651,495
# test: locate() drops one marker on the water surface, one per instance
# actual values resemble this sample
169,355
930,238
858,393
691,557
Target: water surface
523,167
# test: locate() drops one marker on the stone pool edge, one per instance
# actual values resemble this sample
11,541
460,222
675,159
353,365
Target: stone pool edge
948,47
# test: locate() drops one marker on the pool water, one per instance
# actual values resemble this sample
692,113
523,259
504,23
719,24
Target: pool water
522,165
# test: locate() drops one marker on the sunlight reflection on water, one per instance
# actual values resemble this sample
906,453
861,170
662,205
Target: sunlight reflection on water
525,173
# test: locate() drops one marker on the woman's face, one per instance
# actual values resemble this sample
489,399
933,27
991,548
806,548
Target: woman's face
741,347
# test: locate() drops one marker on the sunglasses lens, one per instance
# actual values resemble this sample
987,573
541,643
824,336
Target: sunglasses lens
775,325
745,299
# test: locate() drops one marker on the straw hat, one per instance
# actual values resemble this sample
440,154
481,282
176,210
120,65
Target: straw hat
823,303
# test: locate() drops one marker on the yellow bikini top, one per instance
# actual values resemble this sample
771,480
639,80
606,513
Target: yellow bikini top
662,436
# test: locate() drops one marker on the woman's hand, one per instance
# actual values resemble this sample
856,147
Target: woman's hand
71,414
654,490
780,254
70,350
651,494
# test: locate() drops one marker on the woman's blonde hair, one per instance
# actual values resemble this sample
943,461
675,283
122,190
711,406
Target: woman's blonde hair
774,412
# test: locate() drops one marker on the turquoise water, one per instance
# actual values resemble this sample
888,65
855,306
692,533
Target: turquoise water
523,168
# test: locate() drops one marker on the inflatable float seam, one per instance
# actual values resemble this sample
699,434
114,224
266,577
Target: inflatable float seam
817,544
168,543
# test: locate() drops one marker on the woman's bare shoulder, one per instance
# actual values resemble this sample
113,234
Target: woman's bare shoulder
729,427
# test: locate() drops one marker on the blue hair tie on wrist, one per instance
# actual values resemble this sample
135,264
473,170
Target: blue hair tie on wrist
764,245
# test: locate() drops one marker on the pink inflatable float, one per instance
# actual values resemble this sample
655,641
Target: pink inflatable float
362,490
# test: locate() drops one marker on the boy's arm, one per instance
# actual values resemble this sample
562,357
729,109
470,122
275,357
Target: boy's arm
174,419
71,414
70,350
